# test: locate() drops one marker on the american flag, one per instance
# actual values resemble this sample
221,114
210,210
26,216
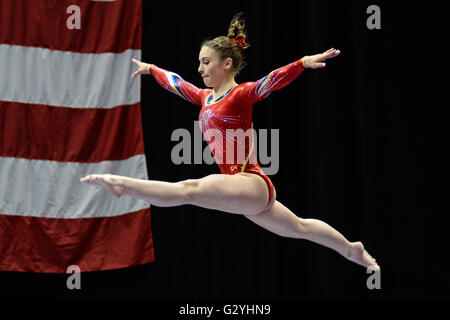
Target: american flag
69,108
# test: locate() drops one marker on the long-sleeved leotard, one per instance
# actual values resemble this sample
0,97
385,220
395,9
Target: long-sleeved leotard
226,123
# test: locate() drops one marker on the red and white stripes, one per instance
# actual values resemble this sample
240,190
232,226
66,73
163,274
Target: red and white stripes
68,108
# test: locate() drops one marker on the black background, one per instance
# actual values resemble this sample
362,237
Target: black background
358,149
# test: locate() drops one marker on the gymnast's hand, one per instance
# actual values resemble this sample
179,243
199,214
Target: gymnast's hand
316,61
144,68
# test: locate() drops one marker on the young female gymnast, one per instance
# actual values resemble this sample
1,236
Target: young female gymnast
242,188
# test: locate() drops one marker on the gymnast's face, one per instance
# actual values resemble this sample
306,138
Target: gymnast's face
212,69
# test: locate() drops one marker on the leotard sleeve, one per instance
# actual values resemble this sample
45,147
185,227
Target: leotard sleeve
175,84
274,81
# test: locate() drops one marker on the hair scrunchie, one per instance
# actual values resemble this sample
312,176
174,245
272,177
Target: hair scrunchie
240,42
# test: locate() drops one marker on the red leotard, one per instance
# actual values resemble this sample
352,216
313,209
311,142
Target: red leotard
226,121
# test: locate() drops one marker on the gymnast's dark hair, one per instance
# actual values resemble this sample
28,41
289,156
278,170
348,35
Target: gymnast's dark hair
233,45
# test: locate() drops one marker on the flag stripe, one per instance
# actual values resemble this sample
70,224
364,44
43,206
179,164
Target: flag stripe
68,79
53,189
42,132
104,26
69,108
51,245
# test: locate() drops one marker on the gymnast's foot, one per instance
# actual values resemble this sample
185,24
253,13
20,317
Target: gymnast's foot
360,256
108,181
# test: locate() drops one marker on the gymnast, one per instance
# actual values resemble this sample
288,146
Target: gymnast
242,187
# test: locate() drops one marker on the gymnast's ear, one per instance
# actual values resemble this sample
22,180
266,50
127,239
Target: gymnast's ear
228,64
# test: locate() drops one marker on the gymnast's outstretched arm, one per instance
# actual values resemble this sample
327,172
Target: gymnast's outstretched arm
170,81
281,77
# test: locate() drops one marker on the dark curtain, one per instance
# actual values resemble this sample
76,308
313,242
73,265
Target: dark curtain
357,150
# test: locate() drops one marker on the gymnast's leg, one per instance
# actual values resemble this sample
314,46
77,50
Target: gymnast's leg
241,193
282,221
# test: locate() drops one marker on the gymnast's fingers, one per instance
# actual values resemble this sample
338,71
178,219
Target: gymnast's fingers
135,74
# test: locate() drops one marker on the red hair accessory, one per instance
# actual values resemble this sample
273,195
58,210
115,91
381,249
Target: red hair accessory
240,42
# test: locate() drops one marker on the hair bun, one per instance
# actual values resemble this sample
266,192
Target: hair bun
236,31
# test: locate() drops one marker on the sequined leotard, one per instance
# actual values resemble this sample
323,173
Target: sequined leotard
226,123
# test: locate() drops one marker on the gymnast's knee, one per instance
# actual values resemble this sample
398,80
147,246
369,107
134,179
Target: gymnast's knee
189,189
